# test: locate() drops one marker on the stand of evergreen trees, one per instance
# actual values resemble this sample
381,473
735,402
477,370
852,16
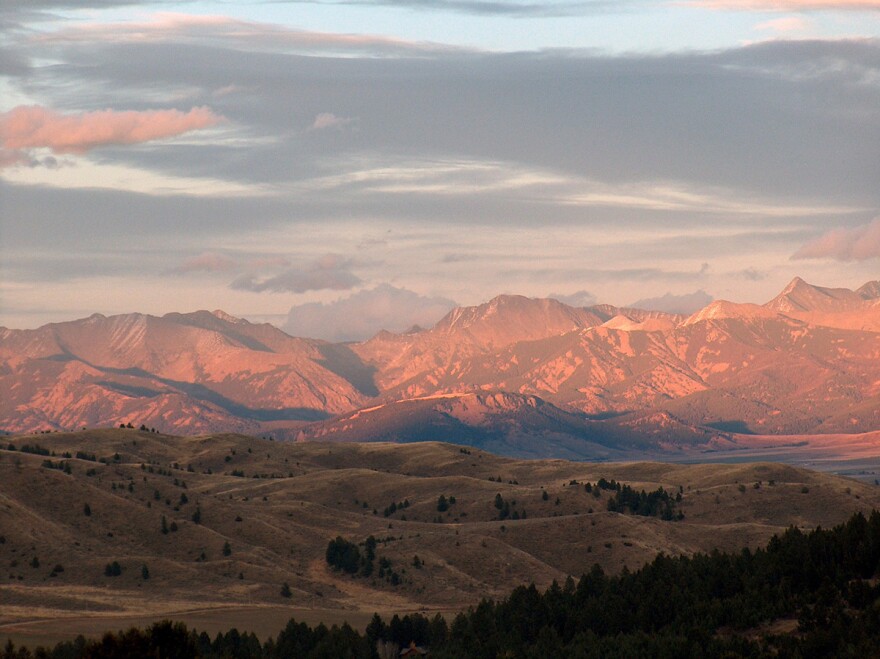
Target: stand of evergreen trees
702,606
658,503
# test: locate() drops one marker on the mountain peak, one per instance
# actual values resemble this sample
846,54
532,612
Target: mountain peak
800,297
506,319
794,285
723,310
870,291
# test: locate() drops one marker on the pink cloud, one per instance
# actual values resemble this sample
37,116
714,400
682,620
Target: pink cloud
857,244
787,24
786,5
9,158
34,126
164,26
268,262
205,262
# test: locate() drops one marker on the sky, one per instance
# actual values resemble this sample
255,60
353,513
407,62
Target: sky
337,167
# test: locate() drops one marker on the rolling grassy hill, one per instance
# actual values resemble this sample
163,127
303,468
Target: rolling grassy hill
278,504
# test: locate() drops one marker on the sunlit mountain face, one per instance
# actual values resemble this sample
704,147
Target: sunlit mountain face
530,377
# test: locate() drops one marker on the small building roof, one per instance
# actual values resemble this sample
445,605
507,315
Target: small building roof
414,651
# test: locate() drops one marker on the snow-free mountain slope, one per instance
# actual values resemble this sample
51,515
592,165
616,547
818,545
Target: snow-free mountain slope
831,307
413,364
808,361
870,290
507,319
200,371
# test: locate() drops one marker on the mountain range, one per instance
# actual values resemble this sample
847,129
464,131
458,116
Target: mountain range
521,376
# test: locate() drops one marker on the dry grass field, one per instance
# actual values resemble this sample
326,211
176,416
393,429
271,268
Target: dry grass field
278,504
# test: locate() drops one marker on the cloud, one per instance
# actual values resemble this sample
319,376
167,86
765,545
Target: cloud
365,313
752,274
682,304
577,299
9,158
533,161
783,25
787,5
205,262
856,244
511,8
330,272
33,127
180,28
329,120
663,132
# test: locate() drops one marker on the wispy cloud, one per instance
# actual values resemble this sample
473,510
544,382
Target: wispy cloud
511,8
330,272
463,178
205,262
679,197
326,120
784,25
163,27
34,127
684,304
846,244
469,174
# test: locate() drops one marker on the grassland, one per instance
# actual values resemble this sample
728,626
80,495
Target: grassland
277,505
